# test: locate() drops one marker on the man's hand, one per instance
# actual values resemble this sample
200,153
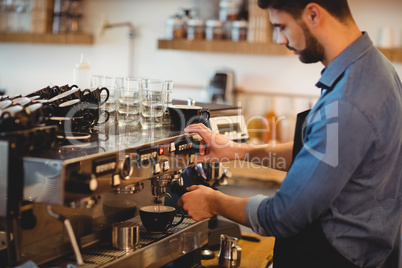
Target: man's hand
198,202
220,148
202,203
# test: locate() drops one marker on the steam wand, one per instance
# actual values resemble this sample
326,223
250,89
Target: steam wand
70,233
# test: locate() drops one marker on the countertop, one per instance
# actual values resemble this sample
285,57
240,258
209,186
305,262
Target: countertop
253,255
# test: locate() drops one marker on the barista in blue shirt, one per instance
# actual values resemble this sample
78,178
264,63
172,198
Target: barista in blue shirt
340,204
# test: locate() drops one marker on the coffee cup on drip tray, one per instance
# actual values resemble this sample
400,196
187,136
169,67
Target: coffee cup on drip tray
158,219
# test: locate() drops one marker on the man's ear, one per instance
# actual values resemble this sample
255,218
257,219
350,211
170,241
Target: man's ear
312,14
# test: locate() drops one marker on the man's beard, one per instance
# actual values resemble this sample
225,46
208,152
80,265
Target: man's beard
314,51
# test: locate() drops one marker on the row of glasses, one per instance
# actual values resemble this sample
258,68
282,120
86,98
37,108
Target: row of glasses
135,101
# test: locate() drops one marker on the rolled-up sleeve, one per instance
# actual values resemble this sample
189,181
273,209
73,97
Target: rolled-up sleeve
251,213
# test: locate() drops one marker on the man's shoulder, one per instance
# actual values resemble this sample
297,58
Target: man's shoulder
370,81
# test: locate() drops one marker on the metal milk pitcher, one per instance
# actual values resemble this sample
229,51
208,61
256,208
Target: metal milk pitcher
229,252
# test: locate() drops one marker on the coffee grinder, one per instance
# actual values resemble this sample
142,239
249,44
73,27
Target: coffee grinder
221,86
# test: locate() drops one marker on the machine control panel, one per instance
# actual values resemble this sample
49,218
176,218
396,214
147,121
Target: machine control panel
104,165
183,146
233,127
146,155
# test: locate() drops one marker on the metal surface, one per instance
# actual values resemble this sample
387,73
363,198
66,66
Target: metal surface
47,174
125,235
154,250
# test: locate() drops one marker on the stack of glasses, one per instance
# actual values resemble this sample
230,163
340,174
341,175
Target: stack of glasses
135,101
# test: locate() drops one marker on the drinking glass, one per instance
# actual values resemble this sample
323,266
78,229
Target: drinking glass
129,102
152,102
113,84
168,102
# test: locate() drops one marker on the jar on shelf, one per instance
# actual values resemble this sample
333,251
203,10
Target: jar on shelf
214,30
229,10
174,28
239,30
195,29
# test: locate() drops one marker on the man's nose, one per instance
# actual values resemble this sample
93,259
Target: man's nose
279,38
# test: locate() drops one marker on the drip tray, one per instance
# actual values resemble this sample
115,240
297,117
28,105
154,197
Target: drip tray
154,250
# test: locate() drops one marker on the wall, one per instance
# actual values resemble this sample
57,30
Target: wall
27,67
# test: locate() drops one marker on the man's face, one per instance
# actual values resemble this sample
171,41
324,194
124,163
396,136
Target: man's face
296,36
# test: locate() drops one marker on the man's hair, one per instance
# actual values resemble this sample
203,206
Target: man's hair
337,8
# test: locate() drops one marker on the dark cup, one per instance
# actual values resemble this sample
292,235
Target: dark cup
65,88
14,118
45,93
23,101
5,103
68,124
48,108
70,108
87,114
95,95
92,113
15,97
73,94
35,111
185,115
158,219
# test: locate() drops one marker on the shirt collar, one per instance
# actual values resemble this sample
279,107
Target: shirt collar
331,74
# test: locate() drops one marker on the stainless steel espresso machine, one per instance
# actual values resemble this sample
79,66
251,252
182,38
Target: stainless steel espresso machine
61,192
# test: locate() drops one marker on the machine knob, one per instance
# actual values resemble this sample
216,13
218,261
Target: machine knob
81,182
126,168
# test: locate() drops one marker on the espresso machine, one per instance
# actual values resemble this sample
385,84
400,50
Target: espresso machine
60,192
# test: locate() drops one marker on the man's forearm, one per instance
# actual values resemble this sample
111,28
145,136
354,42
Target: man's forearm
259,153
232,208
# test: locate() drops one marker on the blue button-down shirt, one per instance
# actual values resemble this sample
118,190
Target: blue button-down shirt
348,173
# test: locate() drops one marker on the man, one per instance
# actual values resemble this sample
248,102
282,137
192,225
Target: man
340,204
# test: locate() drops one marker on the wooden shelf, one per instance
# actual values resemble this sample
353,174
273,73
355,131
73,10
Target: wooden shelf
47,38
393,54
224,46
